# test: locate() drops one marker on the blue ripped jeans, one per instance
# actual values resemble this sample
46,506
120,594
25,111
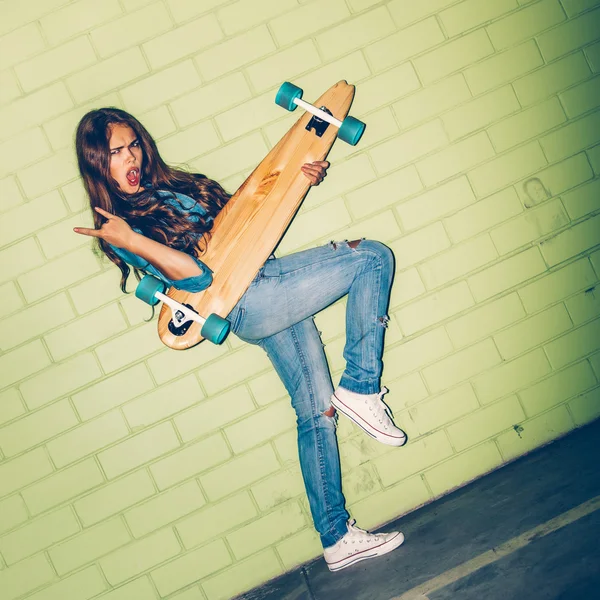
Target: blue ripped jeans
276,313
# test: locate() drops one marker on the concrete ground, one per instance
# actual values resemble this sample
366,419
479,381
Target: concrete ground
529,530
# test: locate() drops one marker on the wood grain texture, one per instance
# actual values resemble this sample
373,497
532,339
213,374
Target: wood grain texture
254,220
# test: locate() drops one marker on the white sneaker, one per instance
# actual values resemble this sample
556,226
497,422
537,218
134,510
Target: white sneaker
369,412
358,545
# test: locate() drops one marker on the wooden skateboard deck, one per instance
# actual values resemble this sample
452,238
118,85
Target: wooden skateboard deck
253,221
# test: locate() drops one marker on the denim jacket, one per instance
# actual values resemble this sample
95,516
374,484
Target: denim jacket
194,212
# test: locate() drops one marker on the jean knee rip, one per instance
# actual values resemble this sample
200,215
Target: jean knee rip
384,321
353,244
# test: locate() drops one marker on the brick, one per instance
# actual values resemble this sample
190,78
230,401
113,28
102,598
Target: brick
419,455
555,179
107,75
453,56
164,509
480,112
81,586
191,567
15,15
265,389
49,173
299,548
581,98
120,34
355,33
571,242
484,214
182,41
235,53
558,388
34,109
574,7
159,121
247,13
232,369
112,391
593,55
442,409
414,354
85,332
584,307
463,468
11,299
503,68
129,347
574,345
241,154
458,261
35,321
38,535
10,195
23,362
307,20
190,594
485,320
455,159
161,403
415,247
405,44
139,449
55,64
160,87
113,498
585,408
25,576
525,23
13,512
534,433
89,545
473,13
573,34
23,470
406,11
279,488
11,405
65,485
24,149
76,18
572,137
189,461
31,216
551,79
594,158
434,308
140,556
183,10
406,148
38,427
388,190
246,117
87,439
95,292
595,260
286,63
140,589
19,45
461,366
243,576
239,472
211,99
9,87
557,285
498,173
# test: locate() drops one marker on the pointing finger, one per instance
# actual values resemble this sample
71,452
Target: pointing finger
86,231
103,212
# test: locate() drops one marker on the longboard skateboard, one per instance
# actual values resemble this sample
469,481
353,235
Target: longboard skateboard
253,221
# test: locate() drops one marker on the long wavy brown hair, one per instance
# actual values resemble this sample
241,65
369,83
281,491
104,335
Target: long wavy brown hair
155,218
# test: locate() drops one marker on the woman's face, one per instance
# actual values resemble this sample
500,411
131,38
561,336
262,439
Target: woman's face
126,158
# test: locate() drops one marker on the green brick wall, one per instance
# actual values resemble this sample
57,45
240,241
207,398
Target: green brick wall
132,472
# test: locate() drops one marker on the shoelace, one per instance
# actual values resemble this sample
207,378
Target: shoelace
359,535
379,408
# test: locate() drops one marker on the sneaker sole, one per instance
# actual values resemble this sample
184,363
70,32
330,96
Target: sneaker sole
380,436
386,547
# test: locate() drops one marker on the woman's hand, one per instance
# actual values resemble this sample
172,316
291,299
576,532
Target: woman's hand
114,230
316,171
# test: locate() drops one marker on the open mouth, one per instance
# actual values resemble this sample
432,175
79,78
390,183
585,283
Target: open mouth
133,176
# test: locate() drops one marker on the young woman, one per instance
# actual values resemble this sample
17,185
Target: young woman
155,218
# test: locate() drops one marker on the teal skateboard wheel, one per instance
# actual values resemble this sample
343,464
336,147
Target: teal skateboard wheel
215,329
351,130
147,288
286,95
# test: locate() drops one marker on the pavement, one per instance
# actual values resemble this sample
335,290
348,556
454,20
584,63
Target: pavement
528,530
